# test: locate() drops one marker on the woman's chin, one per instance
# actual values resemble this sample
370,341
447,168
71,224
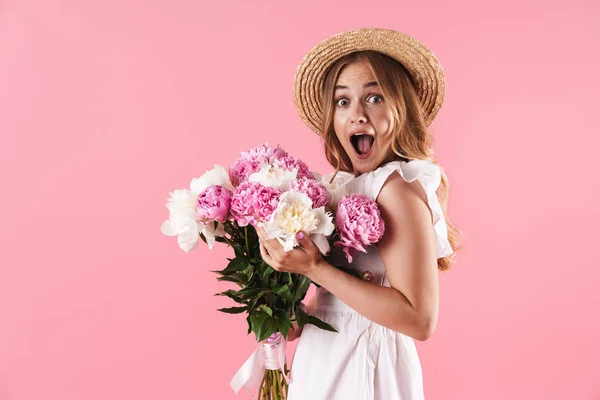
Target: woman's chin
371,163
364,165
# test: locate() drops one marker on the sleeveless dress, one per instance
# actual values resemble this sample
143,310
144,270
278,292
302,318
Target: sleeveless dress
364,360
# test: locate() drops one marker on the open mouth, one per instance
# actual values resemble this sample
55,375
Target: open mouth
362,144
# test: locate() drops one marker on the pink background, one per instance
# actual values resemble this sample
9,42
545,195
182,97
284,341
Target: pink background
106,106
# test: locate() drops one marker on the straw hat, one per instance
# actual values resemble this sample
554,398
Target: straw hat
420,62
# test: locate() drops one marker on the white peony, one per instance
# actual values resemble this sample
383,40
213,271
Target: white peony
293,214
183,220
337,189
216,176
274,176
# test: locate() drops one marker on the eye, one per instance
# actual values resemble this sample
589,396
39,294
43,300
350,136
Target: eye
341,102
378,99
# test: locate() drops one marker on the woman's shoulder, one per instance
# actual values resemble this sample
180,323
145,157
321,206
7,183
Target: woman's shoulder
425,171
428,176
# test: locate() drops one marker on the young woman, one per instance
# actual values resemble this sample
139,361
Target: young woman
371,94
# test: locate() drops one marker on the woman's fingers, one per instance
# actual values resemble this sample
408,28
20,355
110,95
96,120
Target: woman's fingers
265,254
266,251
272,246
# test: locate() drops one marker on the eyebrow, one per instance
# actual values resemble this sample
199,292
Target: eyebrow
366,85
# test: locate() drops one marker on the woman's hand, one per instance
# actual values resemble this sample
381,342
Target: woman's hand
304,259
295,333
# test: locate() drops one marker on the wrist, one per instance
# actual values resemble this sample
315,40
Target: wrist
317,270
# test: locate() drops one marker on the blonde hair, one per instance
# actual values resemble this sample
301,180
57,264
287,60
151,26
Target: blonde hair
412,139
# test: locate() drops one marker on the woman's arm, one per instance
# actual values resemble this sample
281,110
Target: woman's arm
408,251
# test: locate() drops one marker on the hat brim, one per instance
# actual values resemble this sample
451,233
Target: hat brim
420,61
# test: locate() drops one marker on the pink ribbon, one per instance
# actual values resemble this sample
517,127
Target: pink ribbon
268,355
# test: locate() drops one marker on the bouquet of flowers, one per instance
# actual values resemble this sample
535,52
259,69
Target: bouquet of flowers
269,188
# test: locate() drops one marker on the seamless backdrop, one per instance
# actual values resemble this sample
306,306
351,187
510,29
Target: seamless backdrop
107,106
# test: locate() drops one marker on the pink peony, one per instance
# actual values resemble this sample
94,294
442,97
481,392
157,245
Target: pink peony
251,162
265,151
244,167
313,189
252,202
213,204
289,163
359,223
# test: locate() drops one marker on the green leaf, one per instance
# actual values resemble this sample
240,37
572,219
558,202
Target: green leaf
233,310
284,292
252,305
252,235
258,323
302,285
263,325
237,277
235,265
252,291
301,317
283,323
250,272
267,309
232,294
249,323
239,250
263,292
271,327
320,324
268,270
254,300
255,249
255,260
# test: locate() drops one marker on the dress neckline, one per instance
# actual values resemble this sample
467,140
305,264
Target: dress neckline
353,178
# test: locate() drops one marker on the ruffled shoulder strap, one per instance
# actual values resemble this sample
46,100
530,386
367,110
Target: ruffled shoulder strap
429,176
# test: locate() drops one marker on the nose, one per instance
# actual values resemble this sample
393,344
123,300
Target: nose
358,114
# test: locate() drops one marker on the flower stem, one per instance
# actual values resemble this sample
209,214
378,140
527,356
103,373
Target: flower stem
275,387
260,389
278,383
269,386
262,393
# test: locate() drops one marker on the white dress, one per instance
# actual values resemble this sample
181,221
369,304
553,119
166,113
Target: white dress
364,360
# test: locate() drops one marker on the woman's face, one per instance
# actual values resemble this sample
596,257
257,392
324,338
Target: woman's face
362,120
